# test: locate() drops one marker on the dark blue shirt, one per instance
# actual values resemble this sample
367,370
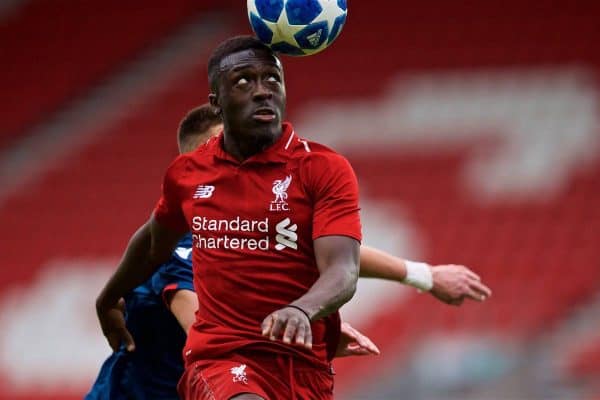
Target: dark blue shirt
154,368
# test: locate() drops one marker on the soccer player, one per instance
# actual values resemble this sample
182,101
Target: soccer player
276,233
160,311
276,243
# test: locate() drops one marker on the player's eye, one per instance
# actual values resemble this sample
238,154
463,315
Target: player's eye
273,78
242,81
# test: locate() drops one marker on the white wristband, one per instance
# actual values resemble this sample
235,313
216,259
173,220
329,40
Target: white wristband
418,274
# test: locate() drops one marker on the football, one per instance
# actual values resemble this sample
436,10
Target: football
297,27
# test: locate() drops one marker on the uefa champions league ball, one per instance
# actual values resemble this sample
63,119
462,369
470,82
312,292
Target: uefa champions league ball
297,27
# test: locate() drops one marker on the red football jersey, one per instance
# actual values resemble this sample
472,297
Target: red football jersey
253,225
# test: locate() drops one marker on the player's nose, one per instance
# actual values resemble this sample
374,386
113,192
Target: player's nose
261,92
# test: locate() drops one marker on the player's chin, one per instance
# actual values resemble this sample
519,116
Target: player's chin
265,129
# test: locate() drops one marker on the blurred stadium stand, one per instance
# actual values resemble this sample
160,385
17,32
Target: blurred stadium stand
54,50
588,362
475,127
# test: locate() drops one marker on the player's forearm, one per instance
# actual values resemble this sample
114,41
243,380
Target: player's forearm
136,266
337,259
334,288
379,264
183,306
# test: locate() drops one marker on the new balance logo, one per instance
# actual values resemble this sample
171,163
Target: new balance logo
286,235
204,191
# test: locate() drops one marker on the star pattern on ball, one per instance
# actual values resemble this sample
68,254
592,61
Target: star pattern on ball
310,33
331,10
278,36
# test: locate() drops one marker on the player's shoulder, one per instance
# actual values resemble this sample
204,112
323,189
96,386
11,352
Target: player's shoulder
304,148
187,162
199,154
185,241
309,152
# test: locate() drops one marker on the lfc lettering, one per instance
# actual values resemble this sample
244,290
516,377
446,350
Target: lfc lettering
283,206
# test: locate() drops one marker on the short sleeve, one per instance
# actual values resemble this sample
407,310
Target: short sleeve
171,277
168,211
335,191
176,274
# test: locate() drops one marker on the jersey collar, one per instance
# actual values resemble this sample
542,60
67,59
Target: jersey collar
278,152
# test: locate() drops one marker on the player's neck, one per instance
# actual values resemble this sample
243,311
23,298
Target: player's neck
242,147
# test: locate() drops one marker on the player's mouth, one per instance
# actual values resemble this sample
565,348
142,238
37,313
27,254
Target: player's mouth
264,114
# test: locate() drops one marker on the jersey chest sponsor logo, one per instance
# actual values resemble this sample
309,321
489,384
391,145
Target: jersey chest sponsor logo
243,234
280,187
286,235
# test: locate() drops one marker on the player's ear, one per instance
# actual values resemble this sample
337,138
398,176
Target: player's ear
213,99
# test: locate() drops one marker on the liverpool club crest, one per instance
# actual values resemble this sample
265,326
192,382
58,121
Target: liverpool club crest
280,187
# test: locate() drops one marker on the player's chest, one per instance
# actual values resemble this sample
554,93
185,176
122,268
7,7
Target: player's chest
269,191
